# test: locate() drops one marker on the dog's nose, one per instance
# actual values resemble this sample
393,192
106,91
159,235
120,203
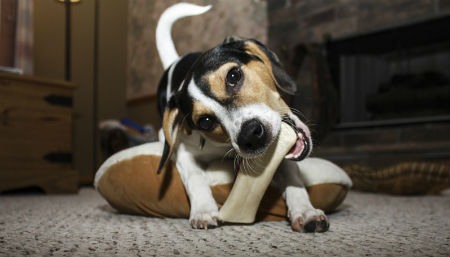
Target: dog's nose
252,136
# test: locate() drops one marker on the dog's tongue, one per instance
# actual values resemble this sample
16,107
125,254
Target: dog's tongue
296,150
301,147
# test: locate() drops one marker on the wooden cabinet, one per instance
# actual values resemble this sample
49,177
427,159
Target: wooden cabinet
36,134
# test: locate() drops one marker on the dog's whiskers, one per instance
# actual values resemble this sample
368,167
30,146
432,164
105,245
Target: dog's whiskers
251,166
230,154
300,115
244,166
237,163
258,164
295,111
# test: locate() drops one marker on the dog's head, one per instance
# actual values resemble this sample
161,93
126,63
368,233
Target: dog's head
231,96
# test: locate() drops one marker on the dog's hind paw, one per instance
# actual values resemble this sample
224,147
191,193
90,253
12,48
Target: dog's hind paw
310,223
204,220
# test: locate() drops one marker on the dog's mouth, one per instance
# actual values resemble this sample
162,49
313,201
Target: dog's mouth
301,148
299,151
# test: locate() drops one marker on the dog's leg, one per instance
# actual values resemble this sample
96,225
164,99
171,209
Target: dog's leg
302,215
204,211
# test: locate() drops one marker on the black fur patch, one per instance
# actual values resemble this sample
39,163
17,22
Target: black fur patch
182,68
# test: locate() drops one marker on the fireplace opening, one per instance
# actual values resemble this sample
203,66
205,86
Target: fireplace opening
394,76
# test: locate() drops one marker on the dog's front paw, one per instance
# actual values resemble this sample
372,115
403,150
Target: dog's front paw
204,220
310,221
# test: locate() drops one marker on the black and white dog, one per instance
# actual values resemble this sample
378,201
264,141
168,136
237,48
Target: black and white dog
225,102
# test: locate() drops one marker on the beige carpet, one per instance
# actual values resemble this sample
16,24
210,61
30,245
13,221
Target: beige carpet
84,225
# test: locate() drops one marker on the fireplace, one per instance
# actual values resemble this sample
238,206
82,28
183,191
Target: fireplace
395,76
393,90
373,85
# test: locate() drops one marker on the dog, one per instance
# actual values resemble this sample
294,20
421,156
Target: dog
225,102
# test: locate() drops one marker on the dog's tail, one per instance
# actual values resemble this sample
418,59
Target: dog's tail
164,42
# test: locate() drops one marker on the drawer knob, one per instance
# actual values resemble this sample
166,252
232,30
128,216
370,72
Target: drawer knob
59,157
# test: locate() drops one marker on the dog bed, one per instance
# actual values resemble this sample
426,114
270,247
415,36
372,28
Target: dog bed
129,182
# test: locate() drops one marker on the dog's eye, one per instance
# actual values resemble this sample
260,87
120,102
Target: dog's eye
207,123
234,76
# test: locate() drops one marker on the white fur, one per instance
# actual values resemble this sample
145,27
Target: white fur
198,95
289,181
203,205
164,43
191,161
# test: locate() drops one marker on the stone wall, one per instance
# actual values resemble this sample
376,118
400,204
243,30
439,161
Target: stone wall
295,28
305,21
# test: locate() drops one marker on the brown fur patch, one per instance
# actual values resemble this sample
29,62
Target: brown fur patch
254,49
262,85
218,134
199,109
258,85
216,81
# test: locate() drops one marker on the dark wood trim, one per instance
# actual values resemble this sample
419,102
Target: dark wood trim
8,32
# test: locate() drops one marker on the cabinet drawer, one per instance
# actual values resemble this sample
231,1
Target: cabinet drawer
35,126
36,134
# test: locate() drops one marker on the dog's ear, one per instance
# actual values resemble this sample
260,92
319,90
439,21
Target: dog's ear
171,124
231,39
282,79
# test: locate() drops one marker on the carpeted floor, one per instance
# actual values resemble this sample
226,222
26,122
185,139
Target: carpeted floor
84,225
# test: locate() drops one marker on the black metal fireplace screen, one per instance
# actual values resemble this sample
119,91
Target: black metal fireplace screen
398,75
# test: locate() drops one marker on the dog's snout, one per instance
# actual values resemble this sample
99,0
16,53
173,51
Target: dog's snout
252,136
